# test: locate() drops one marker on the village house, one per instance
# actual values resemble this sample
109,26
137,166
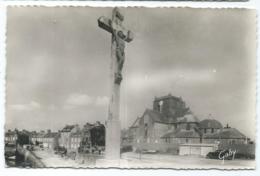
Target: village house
51,140
37,137
76,140
226,136
65,136
10,136
86,134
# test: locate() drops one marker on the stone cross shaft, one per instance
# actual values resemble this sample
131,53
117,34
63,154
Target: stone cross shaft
119,36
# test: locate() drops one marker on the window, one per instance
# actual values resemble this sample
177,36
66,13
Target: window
188,126
205,130
187,140
212,130
167,140
145,130
160,105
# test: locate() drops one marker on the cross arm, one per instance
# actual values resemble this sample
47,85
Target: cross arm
106,24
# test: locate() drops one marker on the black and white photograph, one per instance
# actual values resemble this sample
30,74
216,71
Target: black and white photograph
136,87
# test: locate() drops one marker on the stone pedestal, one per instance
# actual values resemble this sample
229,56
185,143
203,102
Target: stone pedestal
112,151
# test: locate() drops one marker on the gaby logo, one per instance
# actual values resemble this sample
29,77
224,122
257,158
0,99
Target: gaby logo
226,153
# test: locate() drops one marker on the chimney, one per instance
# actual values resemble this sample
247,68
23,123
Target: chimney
227,126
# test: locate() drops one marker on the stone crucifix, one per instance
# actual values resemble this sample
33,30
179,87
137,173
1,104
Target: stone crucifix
119,36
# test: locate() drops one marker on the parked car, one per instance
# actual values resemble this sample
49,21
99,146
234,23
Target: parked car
60,150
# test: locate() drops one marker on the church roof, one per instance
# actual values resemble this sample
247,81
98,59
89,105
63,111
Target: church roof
158,117
188,118
171,133
210,123
136,123
166,97
227,133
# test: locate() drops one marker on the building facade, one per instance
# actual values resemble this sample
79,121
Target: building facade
10,136
66,133
51,140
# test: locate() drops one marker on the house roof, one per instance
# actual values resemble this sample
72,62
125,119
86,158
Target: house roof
179,133
38,135
158,117
68,128
227,133
210,123
187,134
51,135
188,118
77,134
10,133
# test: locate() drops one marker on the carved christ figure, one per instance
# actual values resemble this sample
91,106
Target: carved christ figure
120,51
119,38
120,35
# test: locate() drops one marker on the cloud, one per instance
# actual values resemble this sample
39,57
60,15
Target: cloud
140,81
78,100
25,107
102,101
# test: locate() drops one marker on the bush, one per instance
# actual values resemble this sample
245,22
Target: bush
127,148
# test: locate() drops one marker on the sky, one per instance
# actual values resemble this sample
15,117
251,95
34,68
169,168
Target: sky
58,65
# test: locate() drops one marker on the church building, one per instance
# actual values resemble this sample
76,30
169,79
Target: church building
171,126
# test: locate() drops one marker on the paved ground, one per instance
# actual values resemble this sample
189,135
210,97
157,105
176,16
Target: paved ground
134,160
183,162
52,160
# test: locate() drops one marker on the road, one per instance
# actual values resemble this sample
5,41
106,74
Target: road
133,160
182,162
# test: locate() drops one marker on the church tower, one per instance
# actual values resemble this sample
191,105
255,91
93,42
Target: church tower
170,106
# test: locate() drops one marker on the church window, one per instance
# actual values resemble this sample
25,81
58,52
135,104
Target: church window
145,130
160,106
188,126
